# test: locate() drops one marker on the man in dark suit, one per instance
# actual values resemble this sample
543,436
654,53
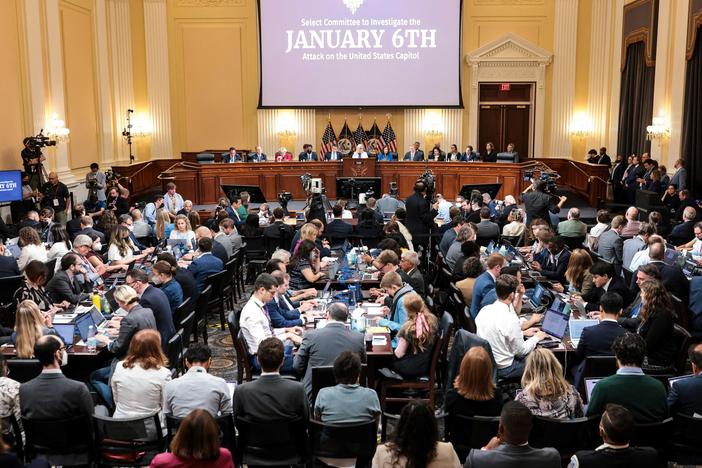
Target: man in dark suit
602,158
616,430
270,397
486,228
636,171
490,155
620,166
686,394
338,228
8,264
672,276
307,153
409,263
684,232
206,264
258,155
538,203
63,285
556,261
510,448
51,395
321,347
605,281
679,178
278,228
86,227
334,154
420,214
153,298
414,153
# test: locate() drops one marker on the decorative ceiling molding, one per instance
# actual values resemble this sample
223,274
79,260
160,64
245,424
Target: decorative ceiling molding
510,48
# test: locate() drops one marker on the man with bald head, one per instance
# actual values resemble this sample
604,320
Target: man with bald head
55,196
572,227
672,276
218,250
642,257
685,231
632,223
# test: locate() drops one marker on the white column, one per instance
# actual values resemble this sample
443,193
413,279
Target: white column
35,63
677,82
600,69
660,86
102,59
565,42
616,78
158,84
268,131
122,74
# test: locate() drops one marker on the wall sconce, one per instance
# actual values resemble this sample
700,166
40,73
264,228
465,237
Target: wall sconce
433,126
56,129
286,125
659,128
581,126
139,126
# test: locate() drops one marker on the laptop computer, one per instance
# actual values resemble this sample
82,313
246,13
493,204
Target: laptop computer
66,331
689,269
537,295
110,296
99,320
590,386
671,257
576,328
83,323
555,323
324,293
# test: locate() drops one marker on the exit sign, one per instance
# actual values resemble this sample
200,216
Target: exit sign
505,86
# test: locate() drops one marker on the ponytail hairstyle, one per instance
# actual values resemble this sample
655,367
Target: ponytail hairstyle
162,267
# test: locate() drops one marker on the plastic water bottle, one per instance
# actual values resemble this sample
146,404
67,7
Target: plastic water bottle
92,341
106,311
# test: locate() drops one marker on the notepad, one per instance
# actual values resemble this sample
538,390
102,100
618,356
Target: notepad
379,330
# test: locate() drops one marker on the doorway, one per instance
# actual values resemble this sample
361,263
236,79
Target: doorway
506,115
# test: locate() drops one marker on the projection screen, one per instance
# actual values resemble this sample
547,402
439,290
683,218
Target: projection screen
360,53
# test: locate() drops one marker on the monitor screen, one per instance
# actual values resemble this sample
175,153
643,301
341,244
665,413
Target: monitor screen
576,327
10,186
555,324
537,295
321,53
66,331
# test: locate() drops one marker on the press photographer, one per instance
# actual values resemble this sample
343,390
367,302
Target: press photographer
95,181
420,210
32,158
540,197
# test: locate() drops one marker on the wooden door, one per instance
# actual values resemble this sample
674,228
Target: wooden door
516,128
490,127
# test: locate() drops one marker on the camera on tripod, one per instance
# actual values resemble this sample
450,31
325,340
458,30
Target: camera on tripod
283,199
311,185
549,179
429,182
39,141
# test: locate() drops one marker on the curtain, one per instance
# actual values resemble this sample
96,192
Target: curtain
692,120
635,102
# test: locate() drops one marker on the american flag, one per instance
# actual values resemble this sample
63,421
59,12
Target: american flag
388,138
360,136
328,139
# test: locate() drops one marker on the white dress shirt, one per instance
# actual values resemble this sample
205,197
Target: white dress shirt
255,325
138,392
363,155
498,324
32,252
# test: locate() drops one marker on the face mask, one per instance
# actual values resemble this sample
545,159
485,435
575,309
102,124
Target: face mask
97,246
64,358
156,280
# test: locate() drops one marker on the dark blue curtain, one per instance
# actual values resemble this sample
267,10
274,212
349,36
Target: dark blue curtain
692,120
635,102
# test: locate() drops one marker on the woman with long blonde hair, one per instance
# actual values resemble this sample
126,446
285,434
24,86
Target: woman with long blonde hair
416,338
182,230
578,273
544,389
164,226
30,325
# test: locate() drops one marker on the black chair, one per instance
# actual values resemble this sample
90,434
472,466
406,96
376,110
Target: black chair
574,242
657,435
470,432
514,241
565,435
344,440
597,366
205,158
14,437
186,325
217,296
686,445
239,272
446,327
67,441
7,314
51,266
323,377
127,442
255,254
271,443
681,338
229,289
23,370
181,311
174,350
201,314
8,286
227,434
244,369
485,241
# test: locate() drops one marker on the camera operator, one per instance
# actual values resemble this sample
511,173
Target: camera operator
420,213
32,158
538,203
55,195
116,203
95,183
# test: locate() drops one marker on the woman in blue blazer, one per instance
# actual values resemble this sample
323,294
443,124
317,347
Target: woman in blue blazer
386,155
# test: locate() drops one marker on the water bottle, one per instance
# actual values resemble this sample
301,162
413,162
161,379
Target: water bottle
352,297
92,341
106,308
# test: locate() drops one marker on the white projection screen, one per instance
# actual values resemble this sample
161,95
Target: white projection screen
360,53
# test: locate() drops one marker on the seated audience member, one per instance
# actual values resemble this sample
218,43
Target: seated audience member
510,448
368,225
141,229
695,245
650,404
8,264
515,224
281,311
577,274
672,276
392,231
338,228
30,325
195,445
304,266
92,260
197,388
636,243
74,224
572,226
163,278
152,298
684,232
643,257
183,231
276,264
320,347
122,249
270,397
616,429
86,227
554,263
138,381
63,286
486,282
218,250
62,243
491,297
604,280
472,268
415,339
603,219
545,390
183,276
657,324
409,265
396,289
685,395
138,318
486,228
632,222
205,264
610,245
347,402
32,288
670,198
474,391
499,325
415,442
449,235
127,221
164,225
255,325
31,247
187,208
251,227
465,233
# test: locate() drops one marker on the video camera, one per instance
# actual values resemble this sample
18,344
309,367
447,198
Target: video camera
111,176
283,199
394,189
429,182
39,141
311,185
549,179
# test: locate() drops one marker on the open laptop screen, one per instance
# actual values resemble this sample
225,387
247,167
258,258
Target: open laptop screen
555,323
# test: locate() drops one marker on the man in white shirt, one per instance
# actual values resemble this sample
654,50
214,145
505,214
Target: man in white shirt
172,201
256,325
499,324
444,207
197,389
642,256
